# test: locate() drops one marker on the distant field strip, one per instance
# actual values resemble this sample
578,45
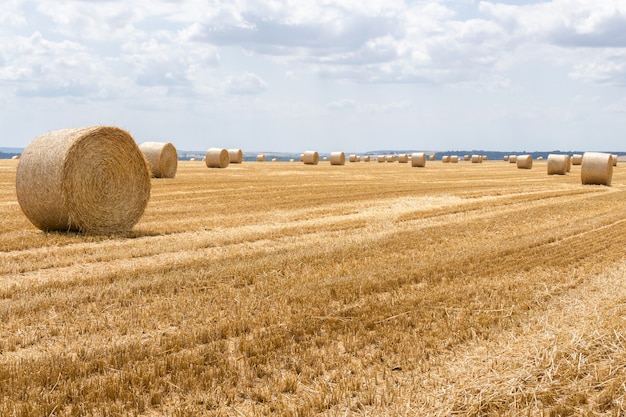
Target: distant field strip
285,289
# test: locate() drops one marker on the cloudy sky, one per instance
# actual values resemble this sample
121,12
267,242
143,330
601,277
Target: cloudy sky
291,75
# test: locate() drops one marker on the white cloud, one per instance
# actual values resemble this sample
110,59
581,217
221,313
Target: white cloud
245,84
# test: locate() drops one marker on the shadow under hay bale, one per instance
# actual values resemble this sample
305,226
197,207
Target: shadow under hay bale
91,180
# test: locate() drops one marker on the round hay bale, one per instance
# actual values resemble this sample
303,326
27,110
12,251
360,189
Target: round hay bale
235,156
432,157
15,157
390,158
260,158
445,159
477,159
577,159
337,158
596,168
367,158
614,159
454,159
91,180
512,159
467,157
403,158
418,159
569,163
524,161
352,158
310,158
380,158
540,158
217,158
274,159
557,164
161,157
505,158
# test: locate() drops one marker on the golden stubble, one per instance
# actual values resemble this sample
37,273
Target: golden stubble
291,289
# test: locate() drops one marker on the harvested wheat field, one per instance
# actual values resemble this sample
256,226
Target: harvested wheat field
295,290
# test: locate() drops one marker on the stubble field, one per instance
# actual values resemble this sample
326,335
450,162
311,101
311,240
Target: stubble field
286,289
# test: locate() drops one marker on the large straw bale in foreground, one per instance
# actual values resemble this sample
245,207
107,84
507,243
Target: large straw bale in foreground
596,168
337,158
92,180
558,164
235,156
161,157
217,158
311,158
524,161
418,159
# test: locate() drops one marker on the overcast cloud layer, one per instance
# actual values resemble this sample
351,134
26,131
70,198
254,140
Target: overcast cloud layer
290,75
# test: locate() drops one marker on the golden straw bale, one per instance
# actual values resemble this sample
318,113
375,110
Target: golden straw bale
418,159
337,158
569,163
557,164
310,158
403,158
577,159
524,161
614,159
217,158
477,159
367,158
91,180
352,158
235,156
432,157
505,158
380,158
390,158
445,159
161,157
596,168
15,157
454,159
512,159
260,158
467,157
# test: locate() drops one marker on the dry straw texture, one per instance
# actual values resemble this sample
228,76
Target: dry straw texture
260,158
505,158
432,157
577,159
367,158
380,158
311,158
477,159
161,157
92,180
390,158
614,159
524,161
337,158
403,158
445,159
235,156
557,164
418,159
217,158
512,159
454,159
596,168
352,158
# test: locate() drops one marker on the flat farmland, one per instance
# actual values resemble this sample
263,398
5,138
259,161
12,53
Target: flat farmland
287,289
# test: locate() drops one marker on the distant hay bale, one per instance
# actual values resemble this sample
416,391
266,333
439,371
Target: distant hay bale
505,158
540,158
217,158
358,158
477,159
390,158
403,158
569,163
310,158
596,168
467,157
557,164
380,158
192,159
161,157
301,157
512,159
274,159
484,157
235,156
367,158
577,159
352,158
445,159
337,158
614,159
260,158
15,157
418,159
454,159
92,180
524,161
432,157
